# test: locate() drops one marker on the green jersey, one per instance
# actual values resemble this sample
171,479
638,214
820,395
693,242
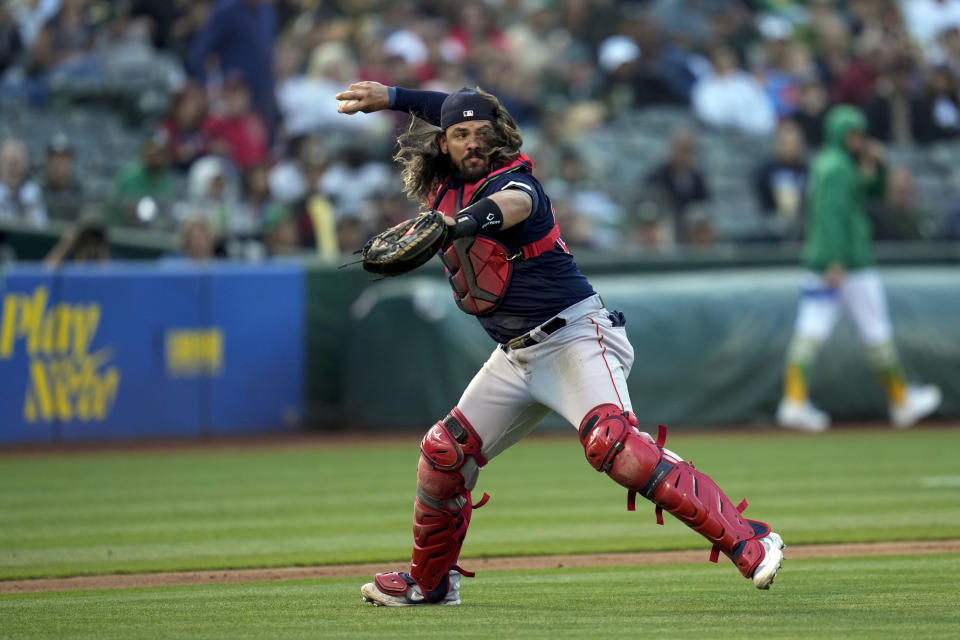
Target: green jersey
838,229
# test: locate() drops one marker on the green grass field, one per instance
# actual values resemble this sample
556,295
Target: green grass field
901,597
90,513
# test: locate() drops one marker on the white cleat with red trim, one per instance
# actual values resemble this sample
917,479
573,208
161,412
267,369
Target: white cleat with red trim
411,596
766,571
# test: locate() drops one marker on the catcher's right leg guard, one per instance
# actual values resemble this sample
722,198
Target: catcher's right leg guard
449,459
614,444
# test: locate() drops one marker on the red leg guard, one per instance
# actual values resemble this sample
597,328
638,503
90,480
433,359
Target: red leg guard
695,498
612,442
439,527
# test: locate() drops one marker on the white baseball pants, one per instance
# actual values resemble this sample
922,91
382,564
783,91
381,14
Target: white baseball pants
861,295
576,368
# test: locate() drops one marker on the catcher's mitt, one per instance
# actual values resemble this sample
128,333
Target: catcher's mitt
406,246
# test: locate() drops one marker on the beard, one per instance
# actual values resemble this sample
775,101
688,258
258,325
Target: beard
467,171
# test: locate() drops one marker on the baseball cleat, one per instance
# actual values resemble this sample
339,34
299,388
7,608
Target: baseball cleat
399,590
766,571
802,416
919,403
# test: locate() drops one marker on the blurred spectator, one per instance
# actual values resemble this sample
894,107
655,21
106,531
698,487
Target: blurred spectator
498,72
213,190
586,21
238,37
699,227
811,110
183,33
64,41
354,181
617,58
926,19
897,216
391,208
352,234
11,43
299,175
280,232
20,198
781,181
854,83
776,71
576,231
474,28
948,54
30,16
729,97
160,17
574,79
678,183
234,130
149,176
938,110
82,243
689,22
62,192
666,60
256,198
785,67
892,112
599,217
185,126
197,239
831,43
650,231
656,71
124,54
307,100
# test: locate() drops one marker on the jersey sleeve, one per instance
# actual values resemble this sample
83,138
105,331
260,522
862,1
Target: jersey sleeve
521,181
425,105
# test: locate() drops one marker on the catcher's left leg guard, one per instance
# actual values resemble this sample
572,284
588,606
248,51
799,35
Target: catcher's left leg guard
614,444
449,459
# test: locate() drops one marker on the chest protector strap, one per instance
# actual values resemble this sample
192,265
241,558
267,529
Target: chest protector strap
479,269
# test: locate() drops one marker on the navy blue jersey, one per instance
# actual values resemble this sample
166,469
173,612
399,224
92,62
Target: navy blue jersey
539,288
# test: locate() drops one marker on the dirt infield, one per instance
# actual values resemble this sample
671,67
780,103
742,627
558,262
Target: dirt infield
127,581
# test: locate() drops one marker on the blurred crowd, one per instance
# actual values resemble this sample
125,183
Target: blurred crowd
242,152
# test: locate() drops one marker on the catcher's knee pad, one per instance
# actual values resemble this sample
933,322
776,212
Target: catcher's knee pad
613,443
442,510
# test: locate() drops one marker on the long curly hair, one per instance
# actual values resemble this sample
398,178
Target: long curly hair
425,167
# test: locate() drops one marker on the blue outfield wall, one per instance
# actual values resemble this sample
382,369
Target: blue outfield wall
127,351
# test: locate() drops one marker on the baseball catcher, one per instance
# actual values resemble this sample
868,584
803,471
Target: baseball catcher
558,348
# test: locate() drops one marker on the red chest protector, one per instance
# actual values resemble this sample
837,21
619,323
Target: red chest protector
479,268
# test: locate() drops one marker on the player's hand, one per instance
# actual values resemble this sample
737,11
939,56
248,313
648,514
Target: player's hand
366,96
835,275
874,151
